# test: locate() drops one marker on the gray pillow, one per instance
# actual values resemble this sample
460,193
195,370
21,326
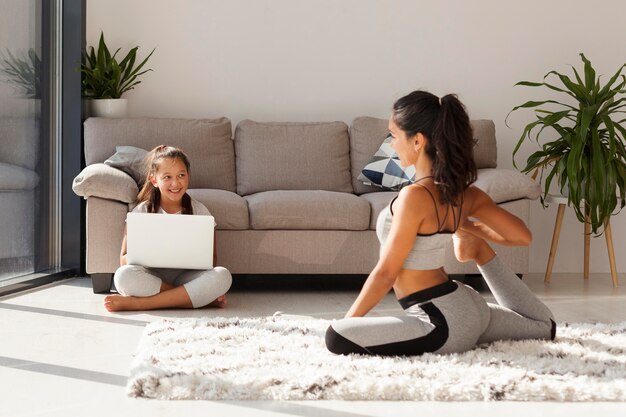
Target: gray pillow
131,160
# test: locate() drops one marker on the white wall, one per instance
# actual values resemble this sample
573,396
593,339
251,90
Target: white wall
320,60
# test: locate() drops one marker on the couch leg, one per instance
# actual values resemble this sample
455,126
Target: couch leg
101,283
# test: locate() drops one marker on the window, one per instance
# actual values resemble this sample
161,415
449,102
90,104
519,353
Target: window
40,145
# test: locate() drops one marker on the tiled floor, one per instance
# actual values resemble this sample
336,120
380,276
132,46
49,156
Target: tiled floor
62,354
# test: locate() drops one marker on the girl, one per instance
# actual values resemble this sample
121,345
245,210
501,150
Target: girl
165,191
443,316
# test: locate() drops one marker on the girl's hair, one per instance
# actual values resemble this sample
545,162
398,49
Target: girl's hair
151,194
450,143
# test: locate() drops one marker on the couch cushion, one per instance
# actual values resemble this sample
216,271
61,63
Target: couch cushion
292,156
229,209
377,202
507,185
208,144
486,149
308,210
19,139
15,178
367,133
100,180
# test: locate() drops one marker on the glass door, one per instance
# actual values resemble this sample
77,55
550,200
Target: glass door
28,160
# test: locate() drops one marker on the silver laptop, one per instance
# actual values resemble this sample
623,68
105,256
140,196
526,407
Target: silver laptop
170,240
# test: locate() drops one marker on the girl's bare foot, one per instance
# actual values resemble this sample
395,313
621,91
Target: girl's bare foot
219,302
121,303
468,247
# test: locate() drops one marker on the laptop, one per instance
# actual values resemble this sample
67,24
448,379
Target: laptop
170,240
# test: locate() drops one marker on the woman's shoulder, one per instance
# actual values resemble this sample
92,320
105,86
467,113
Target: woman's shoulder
474,198
413,197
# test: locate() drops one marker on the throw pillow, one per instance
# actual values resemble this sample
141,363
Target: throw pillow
131,160
384,169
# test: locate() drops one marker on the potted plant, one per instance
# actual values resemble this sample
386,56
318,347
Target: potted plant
24,75
582,142
105,79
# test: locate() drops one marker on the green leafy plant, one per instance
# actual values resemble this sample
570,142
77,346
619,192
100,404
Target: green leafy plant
104,77
24,74
583,142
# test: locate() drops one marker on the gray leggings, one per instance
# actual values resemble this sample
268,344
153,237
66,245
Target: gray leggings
449,317
203,286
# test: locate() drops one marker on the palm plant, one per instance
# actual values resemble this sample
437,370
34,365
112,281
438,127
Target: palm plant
22,73
103,77
583,142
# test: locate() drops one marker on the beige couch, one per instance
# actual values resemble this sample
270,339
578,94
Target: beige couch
285,195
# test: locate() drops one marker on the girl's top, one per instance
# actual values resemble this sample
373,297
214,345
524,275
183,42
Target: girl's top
198,208
428,251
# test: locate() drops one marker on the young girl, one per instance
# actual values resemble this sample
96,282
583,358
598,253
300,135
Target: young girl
165,191
443,316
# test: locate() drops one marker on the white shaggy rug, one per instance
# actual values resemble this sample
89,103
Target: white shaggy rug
276,358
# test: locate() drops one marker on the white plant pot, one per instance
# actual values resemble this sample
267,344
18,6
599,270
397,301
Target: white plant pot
113,107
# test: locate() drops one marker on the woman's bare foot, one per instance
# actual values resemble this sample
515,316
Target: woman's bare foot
121,303
468,247
219,302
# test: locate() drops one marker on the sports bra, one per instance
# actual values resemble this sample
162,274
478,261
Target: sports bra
428,251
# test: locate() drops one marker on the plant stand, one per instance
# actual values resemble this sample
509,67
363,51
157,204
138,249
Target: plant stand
562,202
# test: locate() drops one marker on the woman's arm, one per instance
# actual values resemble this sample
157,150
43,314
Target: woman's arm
495,223
404,227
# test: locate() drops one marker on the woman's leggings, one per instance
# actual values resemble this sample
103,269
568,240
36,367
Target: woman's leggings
450,317
203,286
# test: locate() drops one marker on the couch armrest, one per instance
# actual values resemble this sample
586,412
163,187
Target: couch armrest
100,180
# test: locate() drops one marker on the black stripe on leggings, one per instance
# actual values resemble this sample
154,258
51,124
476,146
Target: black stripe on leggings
428,294
427,343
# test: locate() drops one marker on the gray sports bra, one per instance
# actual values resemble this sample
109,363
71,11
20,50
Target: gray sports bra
428,251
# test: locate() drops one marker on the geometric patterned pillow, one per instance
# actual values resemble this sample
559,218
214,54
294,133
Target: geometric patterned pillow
384,169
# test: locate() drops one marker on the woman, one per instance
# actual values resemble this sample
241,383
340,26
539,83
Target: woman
443,316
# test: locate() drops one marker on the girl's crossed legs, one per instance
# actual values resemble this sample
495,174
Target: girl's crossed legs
151,288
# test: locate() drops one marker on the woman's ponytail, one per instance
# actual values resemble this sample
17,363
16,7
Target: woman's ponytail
451,150
450,144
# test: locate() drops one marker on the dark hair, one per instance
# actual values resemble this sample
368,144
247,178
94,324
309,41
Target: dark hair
151,194
450,143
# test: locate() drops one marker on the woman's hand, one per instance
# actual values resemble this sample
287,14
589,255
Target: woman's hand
481,230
